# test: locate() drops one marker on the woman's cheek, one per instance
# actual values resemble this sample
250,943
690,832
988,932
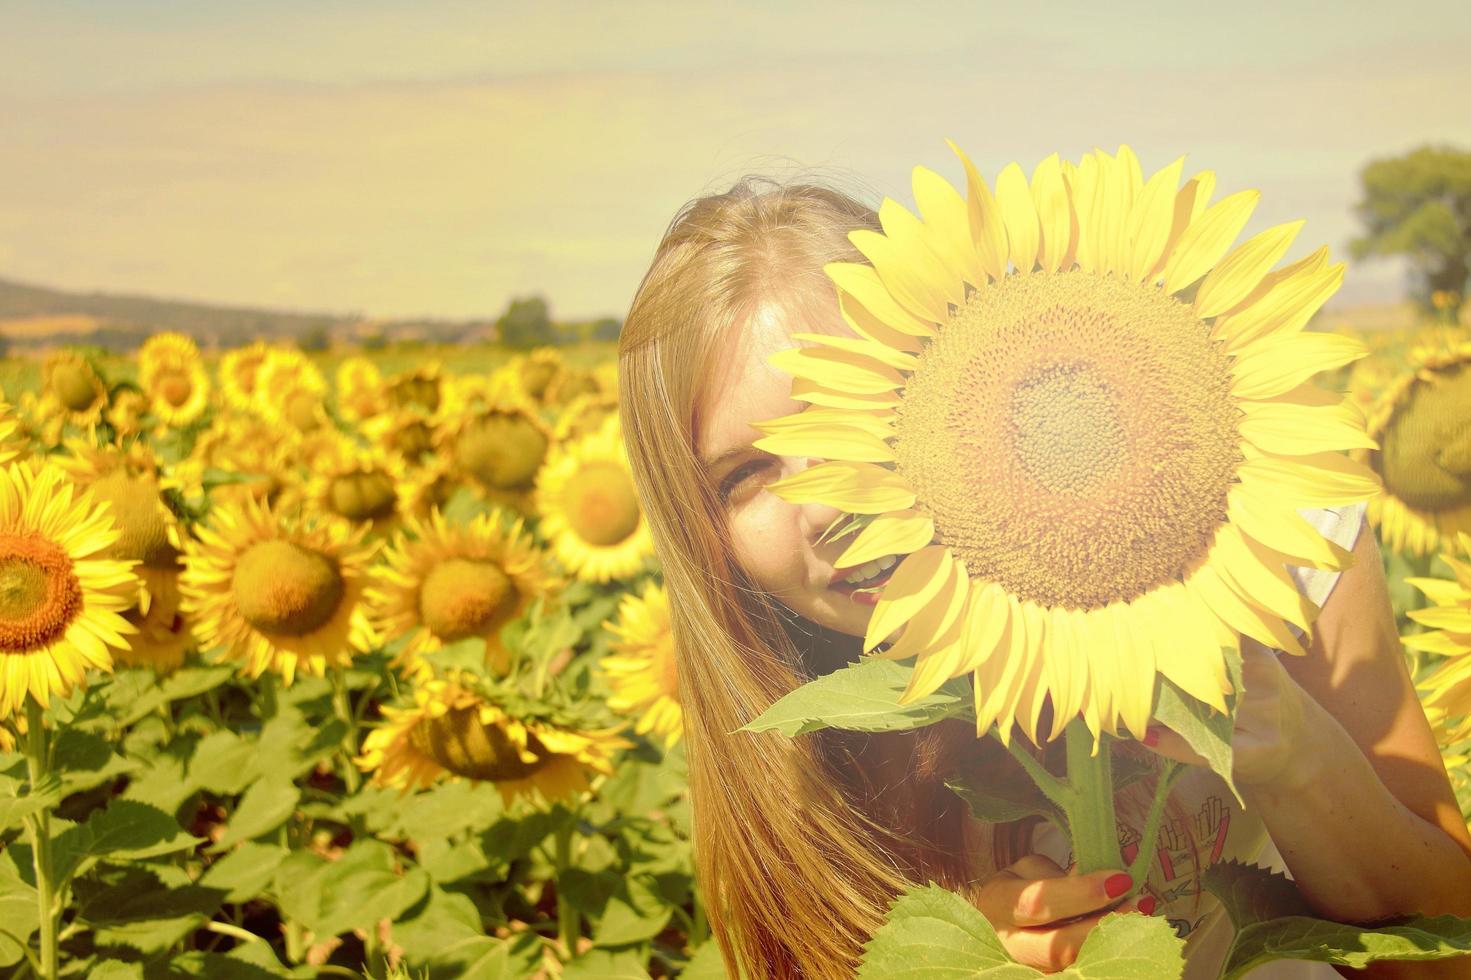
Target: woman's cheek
768,544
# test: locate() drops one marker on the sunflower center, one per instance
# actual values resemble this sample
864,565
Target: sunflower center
460,743
1426,457
284,588
76,385
175,387
1073,437
39,593
138,512
416,391
412,441
362,496
502,451
600,503
462,597
300,409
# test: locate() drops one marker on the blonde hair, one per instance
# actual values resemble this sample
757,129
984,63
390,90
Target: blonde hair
797,853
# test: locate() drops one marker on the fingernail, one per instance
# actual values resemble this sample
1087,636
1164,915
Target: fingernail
1117,885
1151,736
1146,905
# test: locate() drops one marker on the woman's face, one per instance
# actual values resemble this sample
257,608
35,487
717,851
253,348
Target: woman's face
775,542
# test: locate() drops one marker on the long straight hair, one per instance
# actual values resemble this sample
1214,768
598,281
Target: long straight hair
797,851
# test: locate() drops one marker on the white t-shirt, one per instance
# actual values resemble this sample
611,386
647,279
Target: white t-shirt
1219,827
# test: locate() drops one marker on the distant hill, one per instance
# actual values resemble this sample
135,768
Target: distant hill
33,317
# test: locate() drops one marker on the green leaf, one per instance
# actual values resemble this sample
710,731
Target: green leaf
18,914
124,829
604,964
706,964
246,871
354,892
437,923
930,933
484,958
1274,922
14,809
221,763
265,806
1204,729
208,966
999,791
861,697
84,760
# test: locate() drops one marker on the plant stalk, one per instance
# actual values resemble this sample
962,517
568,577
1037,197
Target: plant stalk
1090,804
568,926
39,824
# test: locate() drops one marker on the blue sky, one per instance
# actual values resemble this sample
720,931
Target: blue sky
439,158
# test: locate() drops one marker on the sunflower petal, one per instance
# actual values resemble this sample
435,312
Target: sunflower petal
1263,516
985,624
906,272
1241,272
892,534
987,228
926,631
1150,220
1022,228
864,285
838,369
1297,430
908,233
1240,615
1320,480
1440,591
946,214
807,390
826,441
1288,301
858,488
1209,236
915,581
1055,215
1457,619
1277,364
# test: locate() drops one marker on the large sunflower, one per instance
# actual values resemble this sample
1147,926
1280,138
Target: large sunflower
61,600
501,447
1423,424
355,484
1447,687
290,392
173,377
441,583
642,671
360,391
589,509
453,733
278,594
238,371
1086,427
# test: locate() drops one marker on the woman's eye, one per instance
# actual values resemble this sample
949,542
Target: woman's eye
738,476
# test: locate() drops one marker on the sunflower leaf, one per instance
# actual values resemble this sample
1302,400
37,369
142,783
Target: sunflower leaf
1204,729
861,697
1274,922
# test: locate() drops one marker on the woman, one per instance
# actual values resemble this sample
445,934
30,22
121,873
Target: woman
801,844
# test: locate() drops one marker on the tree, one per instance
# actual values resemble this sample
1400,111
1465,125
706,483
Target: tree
1419,205
526,323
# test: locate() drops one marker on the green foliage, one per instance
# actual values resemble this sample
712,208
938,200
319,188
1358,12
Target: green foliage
1274,922
1419,205
862,697
931,932
526,323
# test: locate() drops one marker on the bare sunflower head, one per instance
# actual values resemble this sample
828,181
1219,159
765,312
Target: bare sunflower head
1085,427
75,387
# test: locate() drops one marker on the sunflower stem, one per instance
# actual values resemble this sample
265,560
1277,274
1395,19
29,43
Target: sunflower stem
342,707
1168,772
39,824
568,926
1090,809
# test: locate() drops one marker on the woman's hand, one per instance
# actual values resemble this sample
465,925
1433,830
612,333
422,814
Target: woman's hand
1043,914
1269,745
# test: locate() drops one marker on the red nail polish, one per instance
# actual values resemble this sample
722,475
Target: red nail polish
1117,885
1151,736
1146,905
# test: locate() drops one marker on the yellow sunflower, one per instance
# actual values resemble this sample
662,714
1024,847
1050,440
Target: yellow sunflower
73,388
61,601
429,487
126,412
441,583
360,391
501,448
642,672
1425,455
355,484
417,389
1447,687
129,482
453,733
255,453
290,391
173,377
589,509
163,638
12,435
583,415
42,419
278,594
405,433
238,371
1085,426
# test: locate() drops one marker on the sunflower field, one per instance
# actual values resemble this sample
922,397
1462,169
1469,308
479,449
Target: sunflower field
360,666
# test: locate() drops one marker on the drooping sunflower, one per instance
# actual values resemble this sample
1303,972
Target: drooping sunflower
453,733
589,510
1422,422
441,583
417,389
642,671
1085,426
74,388
172,375
238,371
164,636
355,484
129,480
290,392
405,433
61,600
252,453
360,392
583,415
1447,688
126,412
429,487
277,593
501,447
